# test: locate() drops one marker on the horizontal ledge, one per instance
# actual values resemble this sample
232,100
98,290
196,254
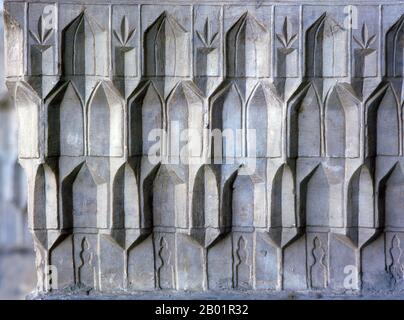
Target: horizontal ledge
212,295
252,2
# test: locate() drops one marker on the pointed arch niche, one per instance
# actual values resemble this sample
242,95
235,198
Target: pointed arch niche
360,219
248,200
169,207
342,123
65,130
393,204
85,47
126,206
247,48
85,197
316,196
283,212
305,123
394,49
185,111
45,213
166,48
326,48
226,117
264,115
105,129
145,115
205,206
361,199
383,122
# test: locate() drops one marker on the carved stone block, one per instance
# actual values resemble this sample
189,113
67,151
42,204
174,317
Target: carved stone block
211,146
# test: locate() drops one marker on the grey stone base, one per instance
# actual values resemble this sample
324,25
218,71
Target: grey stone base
222,295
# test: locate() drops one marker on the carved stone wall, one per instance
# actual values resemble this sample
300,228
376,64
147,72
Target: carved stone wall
321,82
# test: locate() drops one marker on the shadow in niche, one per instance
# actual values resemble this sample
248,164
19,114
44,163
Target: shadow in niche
84,196
314,193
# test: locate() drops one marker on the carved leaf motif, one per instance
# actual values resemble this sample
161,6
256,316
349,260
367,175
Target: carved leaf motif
286,37
126,33
365,40
207,38
365,32
43,33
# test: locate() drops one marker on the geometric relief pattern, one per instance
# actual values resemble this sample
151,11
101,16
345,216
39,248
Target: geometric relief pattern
314,181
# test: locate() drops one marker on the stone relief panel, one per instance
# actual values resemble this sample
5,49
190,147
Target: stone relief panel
211,146
125,52
65,138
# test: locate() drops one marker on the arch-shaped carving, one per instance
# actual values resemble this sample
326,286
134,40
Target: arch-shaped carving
360,209
168,199
85,47
283,212
166,48
326,49
85,200
394,49
393,198
360,197
335,129
305,123
106,112
185,112
65,119
383,121
145,115
205,206
45,213
146,196
126,209
264,115
247,44
248,205
226,116
342,123
27,107
316,198
226,201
